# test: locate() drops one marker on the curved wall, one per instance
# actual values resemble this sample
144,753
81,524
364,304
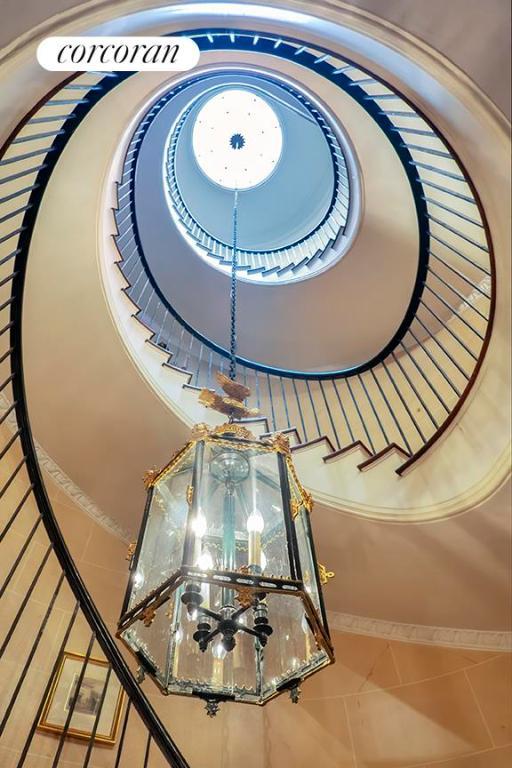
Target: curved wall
447,27
308,325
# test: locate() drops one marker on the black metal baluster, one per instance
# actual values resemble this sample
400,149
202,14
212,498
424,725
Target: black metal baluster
313,409
49,684
343,412
424,376
283,394
356,405
388,406
123,733
448,329
304,431
271,397
457,233
406,406
331,420
461,275
464,299
146,755
12,477
97,718
374,410
16,512
460,254
415,390
72,702
25,600
31,655
434,361
20,556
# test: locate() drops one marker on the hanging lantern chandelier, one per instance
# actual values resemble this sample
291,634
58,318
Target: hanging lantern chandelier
224,600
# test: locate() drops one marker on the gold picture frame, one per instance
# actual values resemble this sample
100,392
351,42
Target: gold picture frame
62,691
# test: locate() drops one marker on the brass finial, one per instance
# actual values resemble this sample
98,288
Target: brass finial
149,477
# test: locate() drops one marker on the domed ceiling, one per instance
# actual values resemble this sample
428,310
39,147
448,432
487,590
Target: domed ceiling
249,133
313,247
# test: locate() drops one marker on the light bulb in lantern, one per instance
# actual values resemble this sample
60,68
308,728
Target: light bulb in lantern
255,522
205,561
255,525
263,561
199,525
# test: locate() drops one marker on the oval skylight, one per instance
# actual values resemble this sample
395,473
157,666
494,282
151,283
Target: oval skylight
237,139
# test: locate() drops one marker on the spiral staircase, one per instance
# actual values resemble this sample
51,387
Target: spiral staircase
394,401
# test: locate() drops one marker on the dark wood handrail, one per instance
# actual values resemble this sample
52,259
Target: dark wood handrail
146,712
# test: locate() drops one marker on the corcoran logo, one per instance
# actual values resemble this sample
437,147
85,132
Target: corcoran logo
117,54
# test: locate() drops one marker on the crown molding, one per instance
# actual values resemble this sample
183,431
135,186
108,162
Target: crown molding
450,637
64,482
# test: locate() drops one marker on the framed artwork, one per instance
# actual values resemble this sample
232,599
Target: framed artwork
63,690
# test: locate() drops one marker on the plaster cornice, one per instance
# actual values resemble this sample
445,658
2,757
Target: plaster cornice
64,482
471,639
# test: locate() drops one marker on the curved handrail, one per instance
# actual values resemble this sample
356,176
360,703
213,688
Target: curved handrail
20,236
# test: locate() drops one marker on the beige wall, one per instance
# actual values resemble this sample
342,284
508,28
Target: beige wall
383,704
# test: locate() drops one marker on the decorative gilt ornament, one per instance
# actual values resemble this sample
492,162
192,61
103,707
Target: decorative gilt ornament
295,505
190,494
232,388
200,431
231,405
132,546
245,597
306,499
281,443
149,477
324,574
148,615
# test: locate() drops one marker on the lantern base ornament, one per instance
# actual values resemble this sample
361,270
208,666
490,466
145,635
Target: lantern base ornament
212,707
224,600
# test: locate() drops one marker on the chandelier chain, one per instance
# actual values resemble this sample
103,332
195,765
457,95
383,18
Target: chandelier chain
233,296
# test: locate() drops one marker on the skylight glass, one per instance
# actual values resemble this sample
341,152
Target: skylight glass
237,139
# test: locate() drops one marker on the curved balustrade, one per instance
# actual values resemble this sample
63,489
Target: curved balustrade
26,162
408,394
297,259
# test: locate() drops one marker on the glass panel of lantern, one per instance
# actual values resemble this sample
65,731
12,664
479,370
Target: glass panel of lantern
224,600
